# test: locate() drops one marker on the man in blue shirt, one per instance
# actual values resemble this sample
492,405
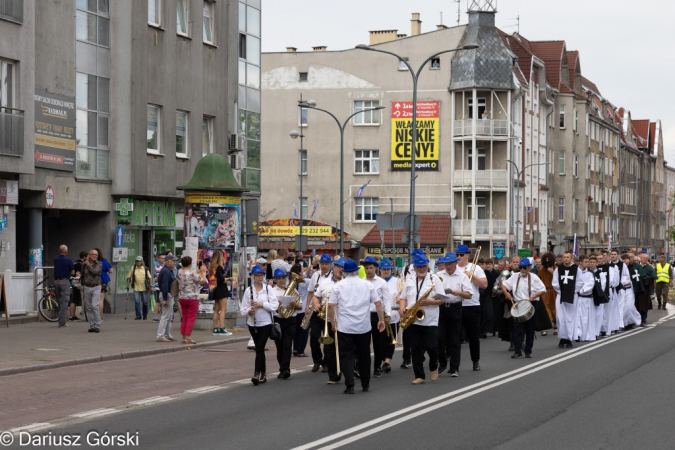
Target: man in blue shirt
63,270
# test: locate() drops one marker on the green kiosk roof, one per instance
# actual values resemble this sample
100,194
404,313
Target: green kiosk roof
213,173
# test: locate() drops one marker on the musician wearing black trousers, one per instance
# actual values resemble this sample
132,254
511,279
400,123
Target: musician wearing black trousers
287,324
471,307
316,325
408,274
349,306
386,268
370,264
325,290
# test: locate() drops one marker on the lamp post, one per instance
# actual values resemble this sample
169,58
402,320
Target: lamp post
518,174
637,230
413,142
294,135
311,104
611,200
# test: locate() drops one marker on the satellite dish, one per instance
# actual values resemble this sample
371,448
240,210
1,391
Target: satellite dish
453,213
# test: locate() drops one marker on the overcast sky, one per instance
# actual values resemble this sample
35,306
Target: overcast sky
626,47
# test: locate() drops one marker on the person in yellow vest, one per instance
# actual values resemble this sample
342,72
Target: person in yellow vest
664,280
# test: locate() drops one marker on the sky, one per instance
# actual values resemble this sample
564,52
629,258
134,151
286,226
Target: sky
626,47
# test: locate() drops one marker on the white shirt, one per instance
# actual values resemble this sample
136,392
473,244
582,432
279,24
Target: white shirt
523,293
263,316
585,282
413,291
456,282
303,290
279,293
478,273
382,291
392,284
353,297
316,279
280,264
325,287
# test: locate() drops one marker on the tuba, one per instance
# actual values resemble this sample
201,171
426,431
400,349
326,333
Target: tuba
416,312
287,311
497,288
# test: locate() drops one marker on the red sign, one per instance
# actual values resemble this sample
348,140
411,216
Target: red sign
46,157
425,110
49,197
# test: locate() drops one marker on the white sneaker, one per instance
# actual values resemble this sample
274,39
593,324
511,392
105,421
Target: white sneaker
163,339
225,332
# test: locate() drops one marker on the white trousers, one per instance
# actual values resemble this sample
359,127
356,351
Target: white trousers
585,326
566,318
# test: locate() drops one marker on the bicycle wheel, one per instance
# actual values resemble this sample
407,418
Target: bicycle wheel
49,308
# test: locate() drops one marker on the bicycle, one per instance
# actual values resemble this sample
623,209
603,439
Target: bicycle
48,305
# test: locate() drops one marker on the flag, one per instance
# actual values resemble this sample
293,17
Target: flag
528,211
295,210
316,203
359,193
575,251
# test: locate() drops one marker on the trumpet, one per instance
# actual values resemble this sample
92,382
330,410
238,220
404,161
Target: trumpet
474,262
390,332
325,339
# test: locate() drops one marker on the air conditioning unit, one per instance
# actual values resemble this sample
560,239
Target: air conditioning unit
237,161
237,175
236,143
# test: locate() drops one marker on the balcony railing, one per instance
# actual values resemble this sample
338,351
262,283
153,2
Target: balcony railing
484,127
11,131
484,178
484,227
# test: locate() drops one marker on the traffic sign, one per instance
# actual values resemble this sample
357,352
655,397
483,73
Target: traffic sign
49,197
120,254
416,238
119,236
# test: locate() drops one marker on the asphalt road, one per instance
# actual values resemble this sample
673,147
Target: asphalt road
613,393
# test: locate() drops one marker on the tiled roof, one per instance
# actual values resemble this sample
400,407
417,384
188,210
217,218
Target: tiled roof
641,132
652,135
551,52
588,84
435,230
572,61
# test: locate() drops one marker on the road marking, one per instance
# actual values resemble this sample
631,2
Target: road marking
205,389
390,420
95,413
151,400
31,427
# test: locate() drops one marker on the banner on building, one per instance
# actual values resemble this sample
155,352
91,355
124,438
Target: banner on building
54,136
428,140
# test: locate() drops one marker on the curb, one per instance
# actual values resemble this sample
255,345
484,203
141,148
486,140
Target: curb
115,356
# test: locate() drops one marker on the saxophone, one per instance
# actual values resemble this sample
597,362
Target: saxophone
416,312
287,311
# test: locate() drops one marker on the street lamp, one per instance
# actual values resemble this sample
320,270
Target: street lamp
518,174
637,230
611,201
294,135
311,104
415,77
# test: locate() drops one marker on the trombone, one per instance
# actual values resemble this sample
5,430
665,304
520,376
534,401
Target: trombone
474,262
325,339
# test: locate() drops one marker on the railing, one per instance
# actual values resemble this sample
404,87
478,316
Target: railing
11,131
484,178
484,227
484,127
11,10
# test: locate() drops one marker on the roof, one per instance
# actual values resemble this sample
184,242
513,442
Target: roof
641,132
590,85
213,173
551,52
652,135
435,230
572,61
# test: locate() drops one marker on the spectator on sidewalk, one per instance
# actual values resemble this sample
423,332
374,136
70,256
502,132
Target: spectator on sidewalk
156,309
63,270
280,263
271,256
189,285
91,288
219,294
142,282
76,293
166,278
105,279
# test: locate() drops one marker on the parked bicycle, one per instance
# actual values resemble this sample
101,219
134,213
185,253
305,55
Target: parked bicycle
48,305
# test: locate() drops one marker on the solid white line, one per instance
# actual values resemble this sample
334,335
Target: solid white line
205,389
31,427
151,400
513,375
96,413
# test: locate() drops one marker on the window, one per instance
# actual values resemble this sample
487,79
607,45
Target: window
576,121
561,162
208,22
481,107
153,125
242,45
302,77
368,117
575,211
182,133
182,17
561,209
562,116
481,159
367,161
366,209
576,166
207,135
402,65
435,64
303,162
155,12
6,84
480,208
303,207
601,167
302,118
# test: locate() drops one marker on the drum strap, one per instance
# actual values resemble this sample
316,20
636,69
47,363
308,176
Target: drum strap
529,286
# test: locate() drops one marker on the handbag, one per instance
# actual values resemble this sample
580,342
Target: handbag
175,288
275,334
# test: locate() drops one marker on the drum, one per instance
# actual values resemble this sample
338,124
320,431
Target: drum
522,311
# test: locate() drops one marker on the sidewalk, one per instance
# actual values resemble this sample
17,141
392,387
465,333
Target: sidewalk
41,345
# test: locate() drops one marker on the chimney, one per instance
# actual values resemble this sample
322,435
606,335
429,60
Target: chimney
401,36
416,27
320,48
441,27
291,49
378,37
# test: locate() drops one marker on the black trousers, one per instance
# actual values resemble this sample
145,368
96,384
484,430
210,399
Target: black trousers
449,328
378,341
330,357
527,329
423,340
316,327
260,336
471,322
353,347
486,313
301,335
285,344
497,313
406,346
388,347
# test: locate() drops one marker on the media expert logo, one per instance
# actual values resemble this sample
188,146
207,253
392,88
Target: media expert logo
427,141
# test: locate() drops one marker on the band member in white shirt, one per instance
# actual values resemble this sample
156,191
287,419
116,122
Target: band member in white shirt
316,325
524,286
471,307
370,264
320,296
285,344
349,306
258,304
386,268
457,285
423,334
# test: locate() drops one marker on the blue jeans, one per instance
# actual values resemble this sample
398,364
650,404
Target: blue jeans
138,297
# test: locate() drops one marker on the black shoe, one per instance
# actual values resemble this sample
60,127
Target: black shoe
454,373
262,379
517,355
476,367
286,375
603,333
348,390
569,344
74,318
281,374
405,364
255,379
356,375
146,318
377,373
365,388
137,318
528,355
561,344
441,369
511,348
386,367
91,330
484,336
316,367
324,369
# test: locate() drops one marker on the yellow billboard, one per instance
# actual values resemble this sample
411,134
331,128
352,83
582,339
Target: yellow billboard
427,143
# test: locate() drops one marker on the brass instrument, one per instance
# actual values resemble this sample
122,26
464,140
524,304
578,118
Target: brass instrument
325,339
287,311
475,260
308,316
416,312
390,332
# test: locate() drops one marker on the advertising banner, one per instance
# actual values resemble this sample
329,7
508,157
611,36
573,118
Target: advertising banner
428,140
54,131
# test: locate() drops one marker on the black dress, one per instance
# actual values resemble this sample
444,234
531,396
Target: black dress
221,290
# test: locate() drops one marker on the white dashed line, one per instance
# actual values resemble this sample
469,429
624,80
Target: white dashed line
95,413
31,427
205,389
151,400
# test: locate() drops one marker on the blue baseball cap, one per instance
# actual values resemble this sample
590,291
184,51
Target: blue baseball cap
525,262
450,257
420,260
341,262
462,249
386,264
326,258
371,260
350,266
257,269
280,273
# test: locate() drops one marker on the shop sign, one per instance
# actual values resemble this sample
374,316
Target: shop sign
295,231
211,197
153,214
524,253
404,250
499,249
54,131
9,192
124,207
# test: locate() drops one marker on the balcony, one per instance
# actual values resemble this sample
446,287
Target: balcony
484,127
484,179
485,228
11,131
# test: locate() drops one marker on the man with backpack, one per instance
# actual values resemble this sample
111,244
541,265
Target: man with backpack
142,282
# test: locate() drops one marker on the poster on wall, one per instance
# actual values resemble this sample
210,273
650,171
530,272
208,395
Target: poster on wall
55,131
428,140
214,226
